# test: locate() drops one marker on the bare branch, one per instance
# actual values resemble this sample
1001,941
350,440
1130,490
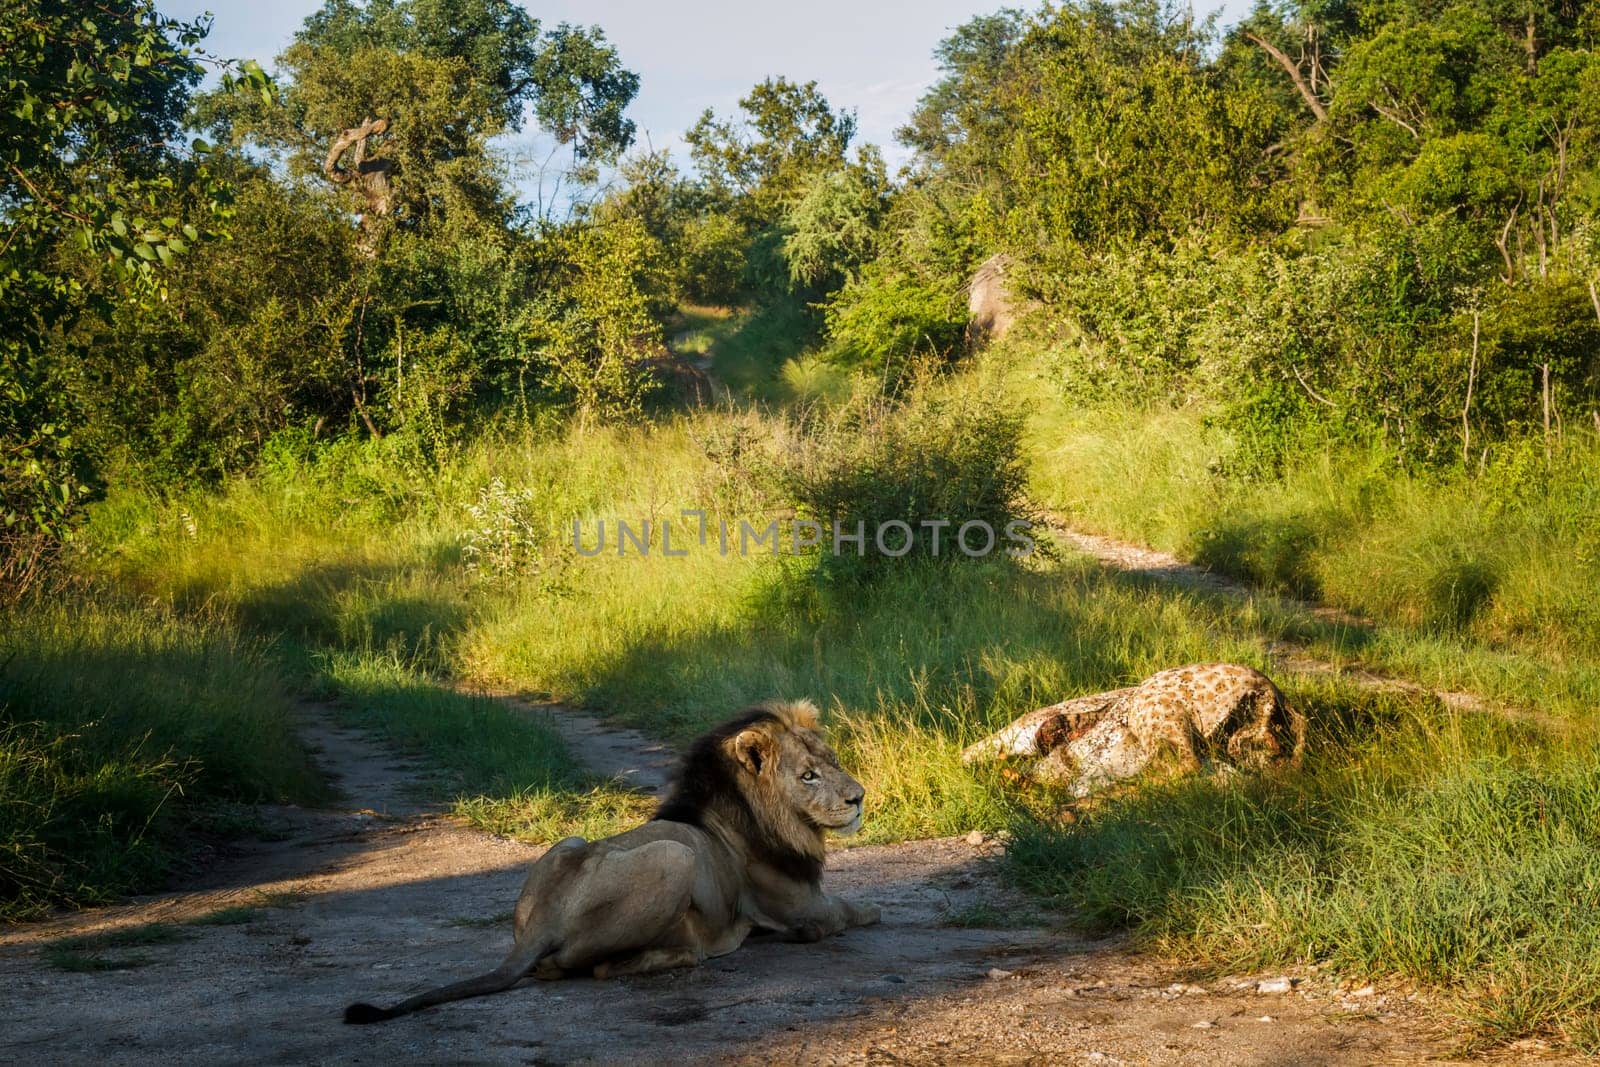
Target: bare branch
1472,378
1312,393
1293,70
1397,120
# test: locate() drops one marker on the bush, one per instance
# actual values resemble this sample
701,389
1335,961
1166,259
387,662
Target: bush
884,318
711,260
601,314
946,453
1364,337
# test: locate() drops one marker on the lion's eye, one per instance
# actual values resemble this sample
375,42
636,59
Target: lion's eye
809,776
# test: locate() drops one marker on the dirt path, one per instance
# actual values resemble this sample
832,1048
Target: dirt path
384,897
607,750
1128,558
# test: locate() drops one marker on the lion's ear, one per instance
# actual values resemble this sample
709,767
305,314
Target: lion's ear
753,748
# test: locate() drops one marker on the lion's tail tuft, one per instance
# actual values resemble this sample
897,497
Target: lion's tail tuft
367,1013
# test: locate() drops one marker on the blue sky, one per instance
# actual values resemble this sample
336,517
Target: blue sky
875,56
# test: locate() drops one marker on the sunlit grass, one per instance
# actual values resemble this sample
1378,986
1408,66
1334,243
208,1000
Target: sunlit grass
1445,821
118,725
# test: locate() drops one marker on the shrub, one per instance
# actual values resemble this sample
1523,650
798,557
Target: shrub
711,260
601,314
885,317
501,541
115,724
945,453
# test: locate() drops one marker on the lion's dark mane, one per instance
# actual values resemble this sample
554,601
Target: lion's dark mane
706,781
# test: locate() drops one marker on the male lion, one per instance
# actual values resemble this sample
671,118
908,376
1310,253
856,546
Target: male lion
737,845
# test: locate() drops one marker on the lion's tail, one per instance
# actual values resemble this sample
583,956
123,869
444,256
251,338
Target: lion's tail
508,974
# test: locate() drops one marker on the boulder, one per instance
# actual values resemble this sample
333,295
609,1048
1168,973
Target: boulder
1217,716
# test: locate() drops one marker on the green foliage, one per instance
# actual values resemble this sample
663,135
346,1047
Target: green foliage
601,315
446,75
1360,339
115,725
570,75
502,542
944,455
787,133
962,105
886,318
1090,122
832,228
93,96
1503,557
1332,222
711,259
92,109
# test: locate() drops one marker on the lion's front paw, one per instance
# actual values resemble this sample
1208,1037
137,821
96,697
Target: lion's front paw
865,914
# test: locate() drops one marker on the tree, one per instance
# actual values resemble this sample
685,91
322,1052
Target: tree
786,133
832,228
606,287
415,89
91,171
964,106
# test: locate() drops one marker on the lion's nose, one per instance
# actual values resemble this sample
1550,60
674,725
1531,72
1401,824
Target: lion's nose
856,799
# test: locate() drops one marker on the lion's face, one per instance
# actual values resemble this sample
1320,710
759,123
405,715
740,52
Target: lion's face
790,765
809,775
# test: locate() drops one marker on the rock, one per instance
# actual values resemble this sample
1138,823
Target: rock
1364,991
975,838
1266,1019
894,979
1203,1024
992,306
1093,742
1275,985
995,972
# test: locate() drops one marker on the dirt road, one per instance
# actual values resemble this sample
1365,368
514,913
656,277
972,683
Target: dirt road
1141,562
383,897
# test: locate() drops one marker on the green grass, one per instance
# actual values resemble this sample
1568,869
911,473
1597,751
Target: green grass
121,728
89,953
1459,852
124,937
238,915
749,349
1452,850
1455,851
1503,558
507,771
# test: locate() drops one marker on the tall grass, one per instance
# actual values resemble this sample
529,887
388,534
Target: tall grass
1455,851
118,725
1507,556
1419,843
507,771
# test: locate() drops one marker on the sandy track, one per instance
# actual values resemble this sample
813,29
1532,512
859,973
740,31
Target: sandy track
384,897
